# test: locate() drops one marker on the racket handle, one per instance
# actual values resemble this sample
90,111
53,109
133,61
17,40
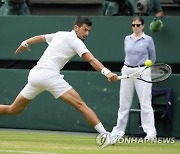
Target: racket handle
122,77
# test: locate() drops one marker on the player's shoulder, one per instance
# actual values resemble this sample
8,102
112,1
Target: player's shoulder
62,33
68,34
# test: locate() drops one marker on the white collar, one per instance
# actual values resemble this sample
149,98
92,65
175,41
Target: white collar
73,32
142,36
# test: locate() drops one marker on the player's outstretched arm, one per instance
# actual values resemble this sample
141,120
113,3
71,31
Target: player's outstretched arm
25,44
97,65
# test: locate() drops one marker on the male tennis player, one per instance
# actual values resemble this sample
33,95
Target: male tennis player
62,46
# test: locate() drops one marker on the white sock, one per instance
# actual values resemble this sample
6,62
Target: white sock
100,128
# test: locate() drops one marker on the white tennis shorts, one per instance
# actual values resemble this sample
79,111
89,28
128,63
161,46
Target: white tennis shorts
41,79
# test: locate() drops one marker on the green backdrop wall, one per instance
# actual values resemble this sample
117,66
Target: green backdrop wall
105,40
46,113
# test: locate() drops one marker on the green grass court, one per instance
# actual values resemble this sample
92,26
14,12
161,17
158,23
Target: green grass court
53,142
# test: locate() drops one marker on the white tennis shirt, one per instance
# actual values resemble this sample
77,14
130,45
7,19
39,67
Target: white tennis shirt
62,46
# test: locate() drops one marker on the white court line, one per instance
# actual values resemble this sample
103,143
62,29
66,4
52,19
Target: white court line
31,152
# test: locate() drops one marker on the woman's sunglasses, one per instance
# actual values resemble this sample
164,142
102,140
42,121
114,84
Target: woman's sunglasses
137,25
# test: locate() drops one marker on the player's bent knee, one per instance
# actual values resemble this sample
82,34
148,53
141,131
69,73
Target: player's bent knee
81,106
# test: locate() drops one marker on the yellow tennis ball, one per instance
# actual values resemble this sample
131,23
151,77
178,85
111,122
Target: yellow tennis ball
148,63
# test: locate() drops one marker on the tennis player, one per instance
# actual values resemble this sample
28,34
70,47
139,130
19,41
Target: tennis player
62,46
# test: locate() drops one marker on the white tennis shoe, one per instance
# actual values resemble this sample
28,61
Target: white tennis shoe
103,140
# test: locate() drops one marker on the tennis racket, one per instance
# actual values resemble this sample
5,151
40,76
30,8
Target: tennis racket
155,73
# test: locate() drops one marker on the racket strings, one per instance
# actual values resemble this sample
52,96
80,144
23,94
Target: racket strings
156,73
160,72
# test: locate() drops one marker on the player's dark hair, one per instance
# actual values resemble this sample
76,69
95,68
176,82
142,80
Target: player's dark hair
80,20
138,18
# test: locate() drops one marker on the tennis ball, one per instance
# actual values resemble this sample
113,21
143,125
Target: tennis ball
148,63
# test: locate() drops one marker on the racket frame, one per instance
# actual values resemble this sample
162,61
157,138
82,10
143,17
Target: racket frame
132,76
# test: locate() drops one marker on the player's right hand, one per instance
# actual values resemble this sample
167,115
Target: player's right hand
112,77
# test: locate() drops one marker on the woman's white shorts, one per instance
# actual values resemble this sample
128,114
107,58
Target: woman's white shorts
41,79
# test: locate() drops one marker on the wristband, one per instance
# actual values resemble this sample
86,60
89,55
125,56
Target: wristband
105,71
25,44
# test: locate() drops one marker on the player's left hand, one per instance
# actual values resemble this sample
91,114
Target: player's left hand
21,48
112,77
